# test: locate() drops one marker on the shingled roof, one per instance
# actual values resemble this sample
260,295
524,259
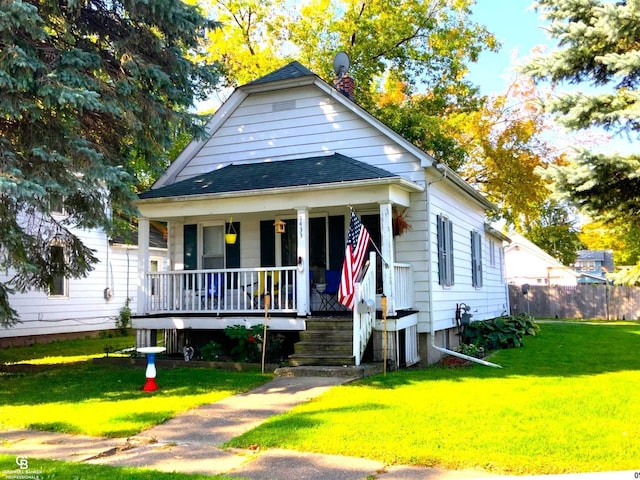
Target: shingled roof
334,168
289,71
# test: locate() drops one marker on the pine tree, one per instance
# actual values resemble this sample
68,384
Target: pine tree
91,92
598,47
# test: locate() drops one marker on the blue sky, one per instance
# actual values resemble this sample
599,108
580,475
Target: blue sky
517,28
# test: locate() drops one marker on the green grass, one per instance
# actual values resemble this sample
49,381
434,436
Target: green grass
566,402
66,351
51,469
101,400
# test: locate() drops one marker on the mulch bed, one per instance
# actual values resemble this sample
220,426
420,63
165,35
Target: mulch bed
454,362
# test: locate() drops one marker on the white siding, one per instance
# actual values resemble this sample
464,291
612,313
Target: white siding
487,301
318,125
85,309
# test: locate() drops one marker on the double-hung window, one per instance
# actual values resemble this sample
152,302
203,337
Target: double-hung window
476,259
445,251
58,284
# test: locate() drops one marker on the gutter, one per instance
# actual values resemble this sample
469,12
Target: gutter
443,171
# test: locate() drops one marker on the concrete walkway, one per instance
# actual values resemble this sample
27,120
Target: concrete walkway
189,443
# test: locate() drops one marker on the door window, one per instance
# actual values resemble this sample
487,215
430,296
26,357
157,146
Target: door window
213,246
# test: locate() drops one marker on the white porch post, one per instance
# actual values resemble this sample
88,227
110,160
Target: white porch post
143,264
303,284
386,249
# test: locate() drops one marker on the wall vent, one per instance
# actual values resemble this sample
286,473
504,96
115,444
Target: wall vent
283,106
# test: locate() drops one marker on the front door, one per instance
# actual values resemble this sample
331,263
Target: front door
212,254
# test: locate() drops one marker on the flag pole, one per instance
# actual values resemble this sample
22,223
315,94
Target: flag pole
267,301
383,304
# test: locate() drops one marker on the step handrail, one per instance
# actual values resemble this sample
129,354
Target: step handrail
364,312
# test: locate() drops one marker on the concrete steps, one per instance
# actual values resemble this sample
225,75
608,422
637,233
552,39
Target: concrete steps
325,342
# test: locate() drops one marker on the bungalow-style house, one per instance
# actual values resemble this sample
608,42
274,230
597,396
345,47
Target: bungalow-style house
262,205
84,306
528,264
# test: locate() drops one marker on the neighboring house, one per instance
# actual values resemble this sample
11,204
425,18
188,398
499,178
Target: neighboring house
528,264
285,159
84,305
594,265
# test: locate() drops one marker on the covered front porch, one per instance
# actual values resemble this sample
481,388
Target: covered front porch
288,246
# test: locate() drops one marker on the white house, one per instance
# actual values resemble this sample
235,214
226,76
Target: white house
86,305
286,158
528,264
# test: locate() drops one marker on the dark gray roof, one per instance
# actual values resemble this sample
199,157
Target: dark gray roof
605,257
291,70
266,175
591,255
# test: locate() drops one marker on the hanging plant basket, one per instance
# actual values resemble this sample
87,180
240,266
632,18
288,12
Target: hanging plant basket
231,236
400,222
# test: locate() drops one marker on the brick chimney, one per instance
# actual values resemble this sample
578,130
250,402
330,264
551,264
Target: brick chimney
345,85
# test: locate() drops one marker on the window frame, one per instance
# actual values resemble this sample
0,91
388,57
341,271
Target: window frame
446,264
59,285
476,259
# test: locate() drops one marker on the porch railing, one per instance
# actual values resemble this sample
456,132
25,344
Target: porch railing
403,291
364,313
239,290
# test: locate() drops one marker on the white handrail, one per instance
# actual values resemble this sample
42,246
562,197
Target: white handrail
364,313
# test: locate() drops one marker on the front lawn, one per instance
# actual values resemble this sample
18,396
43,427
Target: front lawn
566,402
45,391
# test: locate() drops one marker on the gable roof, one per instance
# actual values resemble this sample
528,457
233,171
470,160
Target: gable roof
295,75
336,168
291,75
518,242
289,71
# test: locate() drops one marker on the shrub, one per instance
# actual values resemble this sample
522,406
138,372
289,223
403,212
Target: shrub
472,350
506,331
211,351
247,342
123,320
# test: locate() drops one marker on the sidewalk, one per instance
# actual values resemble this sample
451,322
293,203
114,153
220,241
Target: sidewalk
189,443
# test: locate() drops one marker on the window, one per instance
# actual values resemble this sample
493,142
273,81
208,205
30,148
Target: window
476,259
445,251
492,252
56,205
58,283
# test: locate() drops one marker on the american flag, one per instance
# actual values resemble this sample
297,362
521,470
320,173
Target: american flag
357,242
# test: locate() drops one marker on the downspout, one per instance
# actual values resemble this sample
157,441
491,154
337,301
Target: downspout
430,275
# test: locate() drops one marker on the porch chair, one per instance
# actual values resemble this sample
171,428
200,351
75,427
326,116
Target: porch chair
213,291
268,283
329,296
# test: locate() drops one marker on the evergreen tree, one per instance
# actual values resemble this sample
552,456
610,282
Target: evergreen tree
599,46
91,92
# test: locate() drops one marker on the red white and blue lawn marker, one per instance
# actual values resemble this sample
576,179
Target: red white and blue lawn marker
150,352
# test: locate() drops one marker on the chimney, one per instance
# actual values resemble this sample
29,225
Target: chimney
345,85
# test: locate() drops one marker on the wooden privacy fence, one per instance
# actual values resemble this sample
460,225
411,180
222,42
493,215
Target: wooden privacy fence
604,302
